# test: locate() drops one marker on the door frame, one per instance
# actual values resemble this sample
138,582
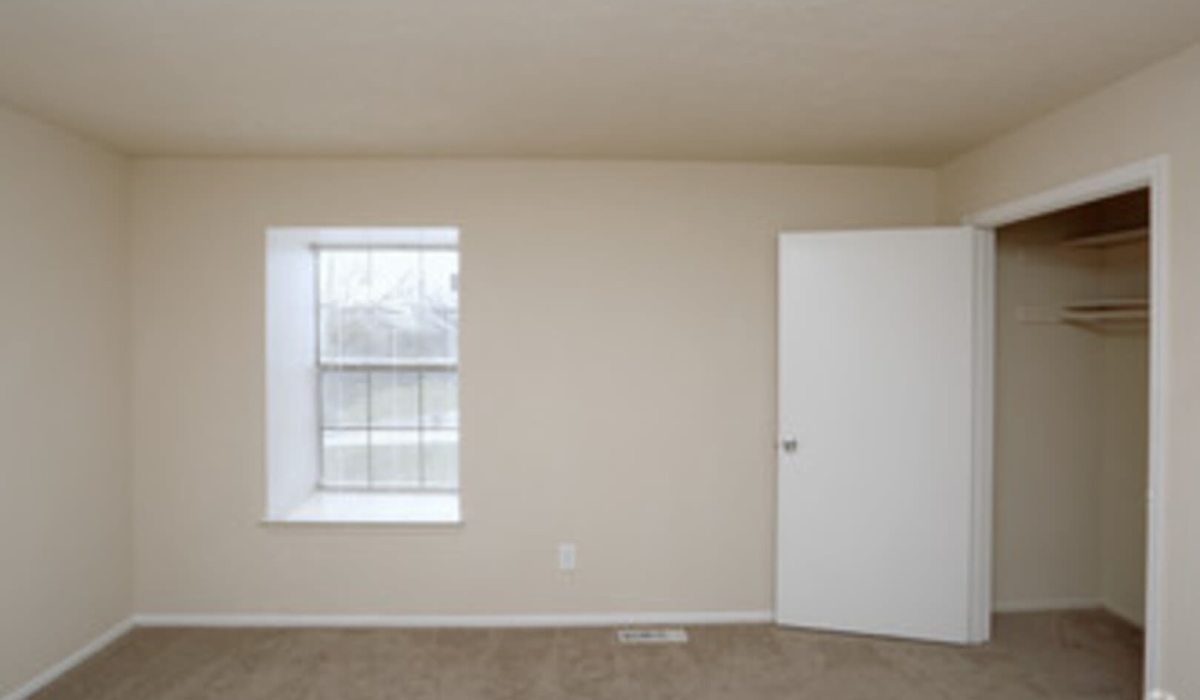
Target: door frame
1152,173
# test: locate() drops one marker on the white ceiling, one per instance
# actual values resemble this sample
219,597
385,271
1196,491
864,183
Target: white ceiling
847,81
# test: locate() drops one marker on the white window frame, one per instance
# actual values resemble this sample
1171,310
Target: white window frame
293,493
369,368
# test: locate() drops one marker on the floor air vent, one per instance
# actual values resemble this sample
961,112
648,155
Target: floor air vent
652,636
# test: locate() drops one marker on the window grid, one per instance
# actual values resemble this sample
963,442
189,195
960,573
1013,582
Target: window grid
395,366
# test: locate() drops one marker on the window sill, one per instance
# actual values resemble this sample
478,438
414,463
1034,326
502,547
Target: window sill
327,507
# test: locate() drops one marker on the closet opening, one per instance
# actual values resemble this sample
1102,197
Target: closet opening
1071,441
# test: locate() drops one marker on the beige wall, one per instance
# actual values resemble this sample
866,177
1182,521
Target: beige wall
64,499
1156,111
618,355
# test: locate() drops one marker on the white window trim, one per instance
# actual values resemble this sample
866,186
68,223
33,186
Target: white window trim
422,368
374,507
293,466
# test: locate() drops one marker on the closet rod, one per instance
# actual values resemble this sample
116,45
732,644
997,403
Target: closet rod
1113,316
1106,311
1111,238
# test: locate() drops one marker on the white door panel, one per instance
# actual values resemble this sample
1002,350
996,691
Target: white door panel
876,375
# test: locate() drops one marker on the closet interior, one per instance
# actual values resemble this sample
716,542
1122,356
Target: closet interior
1072,396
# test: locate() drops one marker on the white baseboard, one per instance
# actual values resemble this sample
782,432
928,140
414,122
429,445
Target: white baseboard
425,621
1046,604
74,659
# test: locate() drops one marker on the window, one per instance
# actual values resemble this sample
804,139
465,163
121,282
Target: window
387,337
362,375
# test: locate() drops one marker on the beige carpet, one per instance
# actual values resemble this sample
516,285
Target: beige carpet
1061,655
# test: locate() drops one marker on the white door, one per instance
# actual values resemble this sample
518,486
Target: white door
877,353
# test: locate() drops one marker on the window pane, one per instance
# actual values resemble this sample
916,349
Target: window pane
344,396
395,290
345,305
439,399
387,305
439,304
439,449
395,458
394,399
345,458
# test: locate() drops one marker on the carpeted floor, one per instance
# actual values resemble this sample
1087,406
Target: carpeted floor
1071,656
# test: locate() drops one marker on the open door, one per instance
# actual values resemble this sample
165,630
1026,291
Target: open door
878,367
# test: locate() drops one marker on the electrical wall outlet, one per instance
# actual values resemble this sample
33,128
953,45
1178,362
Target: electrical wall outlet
566,556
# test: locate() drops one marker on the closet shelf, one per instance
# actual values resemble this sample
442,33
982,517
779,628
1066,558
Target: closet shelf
1109,239
1093,311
